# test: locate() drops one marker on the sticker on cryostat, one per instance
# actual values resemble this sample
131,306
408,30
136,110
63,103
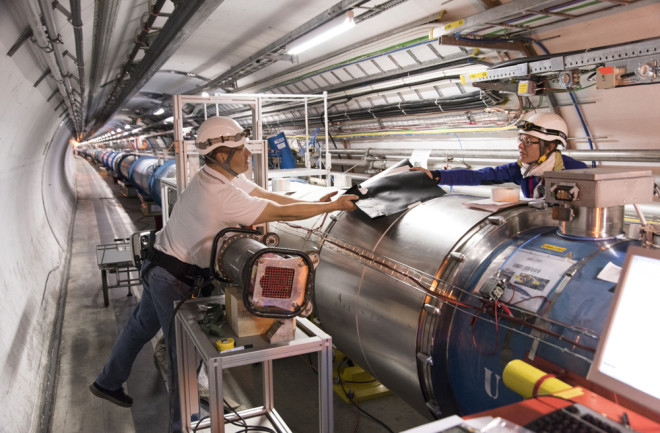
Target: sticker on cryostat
553,248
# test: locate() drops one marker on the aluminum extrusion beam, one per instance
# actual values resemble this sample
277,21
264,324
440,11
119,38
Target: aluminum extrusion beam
561,62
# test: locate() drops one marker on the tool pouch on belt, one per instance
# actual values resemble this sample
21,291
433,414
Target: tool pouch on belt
141,242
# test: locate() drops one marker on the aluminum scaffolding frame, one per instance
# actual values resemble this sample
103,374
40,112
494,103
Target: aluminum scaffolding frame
187,161
193,346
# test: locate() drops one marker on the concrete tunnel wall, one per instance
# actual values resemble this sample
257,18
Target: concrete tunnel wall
37,190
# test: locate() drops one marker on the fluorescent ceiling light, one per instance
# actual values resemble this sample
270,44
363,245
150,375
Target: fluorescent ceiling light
159,112
327,31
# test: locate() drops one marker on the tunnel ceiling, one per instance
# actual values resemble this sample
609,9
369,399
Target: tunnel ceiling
110,65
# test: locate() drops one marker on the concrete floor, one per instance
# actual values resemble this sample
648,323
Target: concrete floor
90,328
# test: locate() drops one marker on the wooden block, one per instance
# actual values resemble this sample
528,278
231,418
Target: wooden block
242,322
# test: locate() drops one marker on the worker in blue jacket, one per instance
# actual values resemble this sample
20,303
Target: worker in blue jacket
538,141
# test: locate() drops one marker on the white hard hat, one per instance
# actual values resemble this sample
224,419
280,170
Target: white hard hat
219,131
546,126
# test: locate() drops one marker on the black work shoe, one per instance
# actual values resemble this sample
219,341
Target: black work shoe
117,397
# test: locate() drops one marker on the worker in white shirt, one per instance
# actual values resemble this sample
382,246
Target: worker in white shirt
219,196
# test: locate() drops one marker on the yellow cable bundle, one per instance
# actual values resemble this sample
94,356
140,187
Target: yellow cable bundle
529,381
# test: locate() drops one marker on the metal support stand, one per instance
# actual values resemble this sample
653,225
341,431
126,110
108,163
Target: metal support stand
193,345
116,259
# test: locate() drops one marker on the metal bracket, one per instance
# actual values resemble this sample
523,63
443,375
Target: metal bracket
426,359
496,220
62,9
44,75
281,57
432,309
27,34
458,256
434,408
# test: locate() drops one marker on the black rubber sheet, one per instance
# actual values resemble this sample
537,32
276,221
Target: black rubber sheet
394,190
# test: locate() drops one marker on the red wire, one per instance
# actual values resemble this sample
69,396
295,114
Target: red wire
546,304
484,306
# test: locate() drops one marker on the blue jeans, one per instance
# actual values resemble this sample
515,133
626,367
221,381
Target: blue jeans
153,312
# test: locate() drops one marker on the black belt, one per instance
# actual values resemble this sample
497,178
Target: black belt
182,271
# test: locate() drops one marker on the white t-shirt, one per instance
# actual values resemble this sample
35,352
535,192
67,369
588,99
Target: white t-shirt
210,203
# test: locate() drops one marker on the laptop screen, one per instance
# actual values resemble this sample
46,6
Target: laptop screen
627,360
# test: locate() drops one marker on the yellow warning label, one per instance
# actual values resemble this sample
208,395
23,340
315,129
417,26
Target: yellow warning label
463,81
522,87
553,248
454,24
475,76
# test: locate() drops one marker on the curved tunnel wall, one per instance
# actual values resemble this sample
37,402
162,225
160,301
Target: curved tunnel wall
37,186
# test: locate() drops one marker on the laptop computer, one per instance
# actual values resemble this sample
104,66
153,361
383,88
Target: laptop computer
627,359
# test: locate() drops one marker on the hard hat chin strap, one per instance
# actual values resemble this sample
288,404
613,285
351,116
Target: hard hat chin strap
538,163
226,165
546,148
543,154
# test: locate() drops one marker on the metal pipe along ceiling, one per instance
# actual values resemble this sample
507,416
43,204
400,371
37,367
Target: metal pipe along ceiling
76,22
181,24
105,14
42,41
119,82
641,155
53,36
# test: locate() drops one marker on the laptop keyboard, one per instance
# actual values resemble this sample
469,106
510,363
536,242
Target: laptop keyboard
575,418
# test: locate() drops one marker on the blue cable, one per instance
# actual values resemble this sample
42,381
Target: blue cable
584,125
518,249
577,108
